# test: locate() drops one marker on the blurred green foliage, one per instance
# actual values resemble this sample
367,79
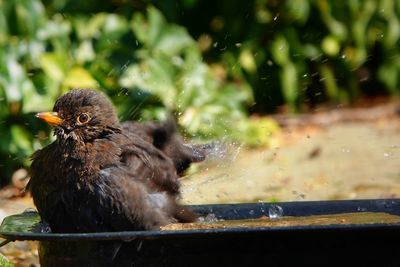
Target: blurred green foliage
209,63
4,262
149,67
300,53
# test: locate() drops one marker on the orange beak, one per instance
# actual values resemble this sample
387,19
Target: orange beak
51,118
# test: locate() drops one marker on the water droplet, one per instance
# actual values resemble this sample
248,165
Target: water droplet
30,211
275,211
345,150
139,246
44,227
211,217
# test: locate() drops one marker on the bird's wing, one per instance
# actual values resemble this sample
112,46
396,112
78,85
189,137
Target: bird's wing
138,203
117,202
165,137
44,188
151,166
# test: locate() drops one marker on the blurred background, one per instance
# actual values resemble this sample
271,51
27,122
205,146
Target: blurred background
210,64
300,97
217,66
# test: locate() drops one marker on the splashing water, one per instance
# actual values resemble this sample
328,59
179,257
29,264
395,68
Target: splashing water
275,212
219,154
211,217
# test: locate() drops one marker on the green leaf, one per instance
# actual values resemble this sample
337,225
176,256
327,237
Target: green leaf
289,83
330,46
78,77
115,24
173,40
247,61
156,25
155,76
256,132
3,25
20,140
89,28
298,10
328,76
13,79
58,27
30,16
34,102
4,262
148,31
392,34
196,87
54,65
85,52
139,27
280,50
389,75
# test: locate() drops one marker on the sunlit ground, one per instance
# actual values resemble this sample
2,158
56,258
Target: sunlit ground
342,160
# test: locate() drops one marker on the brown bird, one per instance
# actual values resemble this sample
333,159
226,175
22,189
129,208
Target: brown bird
164,137
101,175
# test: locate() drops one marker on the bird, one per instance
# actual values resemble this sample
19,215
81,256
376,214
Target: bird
102,175
164,137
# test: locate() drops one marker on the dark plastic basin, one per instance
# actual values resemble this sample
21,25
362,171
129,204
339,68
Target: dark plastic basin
361,244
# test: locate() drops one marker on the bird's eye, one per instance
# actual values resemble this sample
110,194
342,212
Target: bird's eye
83,118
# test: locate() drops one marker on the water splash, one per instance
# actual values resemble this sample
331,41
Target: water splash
275,211
209,218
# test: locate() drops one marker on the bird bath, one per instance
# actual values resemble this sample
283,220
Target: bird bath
359,231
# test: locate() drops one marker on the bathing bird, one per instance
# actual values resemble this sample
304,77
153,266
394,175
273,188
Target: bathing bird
103,175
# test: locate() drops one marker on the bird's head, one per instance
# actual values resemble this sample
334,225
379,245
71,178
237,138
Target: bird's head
82,115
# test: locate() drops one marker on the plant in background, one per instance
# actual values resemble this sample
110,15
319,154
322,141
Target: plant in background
301,53
148,67
170,67
221,64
